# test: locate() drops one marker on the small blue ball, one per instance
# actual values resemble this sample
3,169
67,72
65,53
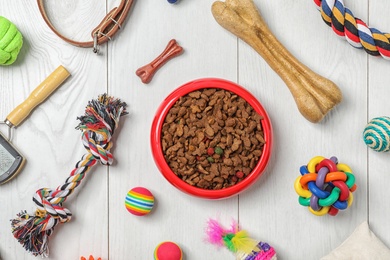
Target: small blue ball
172,1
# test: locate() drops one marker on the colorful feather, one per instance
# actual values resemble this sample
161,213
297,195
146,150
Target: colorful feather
215,232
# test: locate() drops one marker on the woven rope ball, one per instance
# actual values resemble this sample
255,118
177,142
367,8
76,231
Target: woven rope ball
11,41
376,134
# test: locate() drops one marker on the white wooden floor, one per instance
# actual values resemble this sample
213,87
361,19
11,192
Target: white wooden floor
269,210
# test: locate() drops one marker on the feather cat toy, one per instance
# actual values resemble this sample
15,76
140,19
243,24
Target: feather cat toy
238,242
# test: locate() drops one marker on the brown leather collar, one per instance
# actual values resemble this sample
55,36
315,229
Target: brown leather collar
107,28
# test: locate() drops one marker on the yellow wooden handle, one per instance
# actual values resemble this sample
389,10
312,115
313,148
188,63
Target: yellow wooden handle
39,94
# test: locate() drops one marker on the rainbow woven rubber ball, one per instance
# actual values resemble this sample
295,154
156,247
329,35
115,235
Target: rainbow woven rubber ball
325,186
376,134
11,41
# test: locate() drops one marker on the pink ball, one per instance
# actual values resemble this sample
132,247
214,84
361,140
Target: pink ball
168,251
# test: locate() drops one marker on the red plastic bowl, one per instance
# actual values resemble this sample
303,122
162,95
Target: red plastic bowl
158,155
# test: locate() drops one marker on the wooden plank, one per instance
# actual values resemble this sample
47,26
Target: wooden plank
378,163
208,52
47,138
270,210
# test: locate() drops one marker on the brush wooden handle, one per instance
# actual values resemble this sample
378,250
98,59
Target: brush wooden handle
39,94
314,95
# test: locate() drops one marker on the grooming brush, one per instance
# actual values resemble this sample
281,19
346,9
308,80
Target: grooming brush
11,160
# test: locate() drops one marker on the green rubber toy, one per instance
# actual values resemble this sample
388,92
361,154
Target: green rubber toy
11,41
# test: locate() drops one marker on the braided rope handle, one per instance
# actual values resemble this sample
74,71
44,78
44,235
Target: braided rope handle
355,31
98,125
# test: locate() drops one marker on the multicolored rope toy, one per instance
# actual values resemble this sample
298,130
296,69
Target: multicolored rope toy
355,31
325,186
97,125
376,134
238,242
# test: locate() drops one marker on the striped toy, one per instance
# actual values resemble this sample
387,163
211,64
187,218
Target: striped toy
97,125
139,201
376,134
355,31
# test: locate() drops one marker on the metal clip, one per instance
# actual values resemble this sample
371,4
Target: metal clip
10,127
95,43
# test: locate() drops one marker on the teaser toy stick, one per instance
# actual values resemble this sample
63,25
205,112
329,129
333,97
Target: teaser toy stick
314,95
238,242
11,161
97,125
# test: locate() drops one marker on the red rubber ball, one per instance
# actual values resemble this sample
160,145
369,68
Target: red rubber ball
168,251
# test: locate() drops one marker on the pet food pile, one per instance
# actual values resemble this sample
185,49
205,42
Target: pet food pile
212,138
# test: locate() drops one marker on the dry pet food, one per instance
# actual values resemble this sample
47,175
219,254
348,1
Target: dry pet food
212,138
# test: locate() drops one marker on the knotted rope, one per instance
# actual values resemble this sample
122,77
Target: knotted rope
11,41
97,125
355,31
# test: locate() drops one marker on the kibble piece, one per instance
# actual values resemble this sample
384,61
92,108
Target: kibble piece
236,144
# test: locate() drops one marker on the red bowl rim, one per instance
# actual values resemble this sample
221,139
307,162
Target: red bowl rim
158,121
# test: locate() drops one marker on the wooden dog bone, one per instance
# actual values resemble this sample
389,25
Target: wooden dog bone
314,95
147,72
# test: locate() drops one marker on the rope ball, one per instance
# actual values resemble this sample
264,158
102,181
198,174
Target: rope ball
325,186
353,29
11,41
376,134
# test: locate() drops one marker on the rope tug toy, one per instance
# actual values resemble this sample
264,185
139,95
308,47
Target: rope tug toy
97,125
356,32
11,41
376,134
325,186
238,242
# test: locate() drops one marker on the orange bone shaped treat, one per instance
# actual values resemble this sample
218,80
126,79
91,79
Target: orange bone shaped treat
314,95
147,72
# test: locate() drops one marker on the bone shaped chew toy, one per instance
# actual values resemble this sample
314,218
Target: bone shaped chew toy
314,95
147,72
